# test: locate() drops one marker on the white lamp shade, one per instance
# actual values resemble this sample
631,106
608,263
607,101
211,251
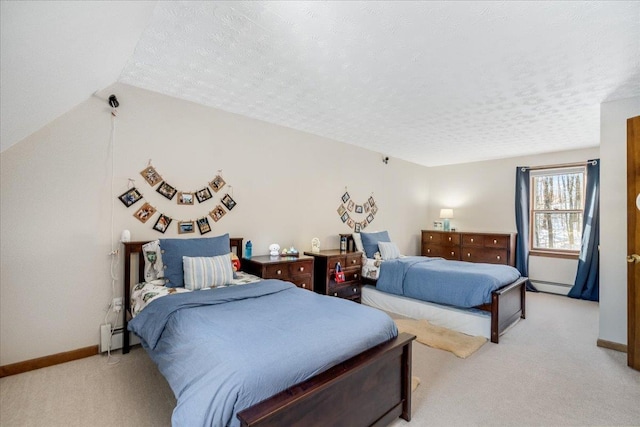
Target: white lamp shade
446,213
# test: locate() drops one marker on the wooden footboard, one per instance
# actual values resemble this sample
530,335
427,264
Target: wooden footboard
370,389
507,306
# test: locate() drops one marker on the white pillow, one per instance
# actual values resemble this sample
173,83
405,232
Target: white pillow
153,266
388,250
357,240
205,272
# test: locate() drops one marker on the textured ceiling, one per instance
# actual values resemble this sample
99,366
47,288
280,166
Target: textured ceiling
430,82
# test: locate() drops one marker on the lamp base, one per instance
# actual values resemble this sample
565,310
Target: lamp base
446,225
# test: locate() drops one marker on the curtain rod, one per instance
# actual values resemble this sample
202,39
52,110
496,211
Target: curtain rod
560,165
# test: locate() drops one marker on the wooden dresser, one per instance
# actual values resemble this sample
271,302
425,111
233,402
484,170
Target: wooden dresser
324,273
298,270
493,248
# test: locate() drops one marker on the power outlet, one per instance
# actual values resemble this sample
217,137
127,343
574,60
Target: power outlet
117,304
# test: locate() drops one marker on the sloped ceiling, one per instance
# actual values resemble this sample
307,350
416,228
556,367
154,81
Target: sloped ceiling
430,82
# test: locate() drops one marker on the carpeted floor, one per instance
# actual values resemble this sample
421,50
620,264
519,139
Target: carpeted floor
546,371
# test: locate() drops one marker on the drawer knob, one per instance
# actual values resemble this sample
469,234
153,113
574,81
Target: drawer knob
335,294
428,251
353,261
472,240
430,237
355,276
279,272
495,241
469,255
355,290
449,238
304,285
453,253
498,257
301,268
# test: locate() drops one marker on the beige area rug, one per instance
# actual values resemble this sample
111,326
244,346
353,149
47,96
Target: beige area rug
460,344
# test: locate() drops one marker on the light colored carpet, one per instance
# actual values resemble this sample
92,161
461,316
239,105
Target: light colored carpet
546,371
460,344
415,382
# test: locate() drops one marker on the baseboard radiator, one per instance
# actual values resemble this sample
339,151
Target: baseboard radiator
113,341
552,287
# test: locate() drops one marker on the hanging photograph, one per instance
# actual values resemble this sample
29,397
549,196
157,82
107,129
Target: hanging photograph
345,197
341,210
359,209
217,213
217,183
130,197
369,218
363,224
145,212
162,223
203,195
351,223
371,201
350,205
356,227
185,198
374,210
151,176
167,191
344,217
228,201
185,227
203,225
367,207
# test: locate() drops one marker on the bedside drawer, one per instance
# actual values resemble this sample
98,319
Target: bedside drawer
349,291
300,267
492,256
353,260
276,271
303,281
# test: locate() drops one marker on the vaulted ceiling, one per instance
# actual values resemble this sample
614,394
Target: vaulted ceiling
429,82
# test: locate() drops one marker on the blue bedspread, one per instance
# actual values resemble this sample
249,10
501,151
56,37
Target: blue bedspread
456,283
226,349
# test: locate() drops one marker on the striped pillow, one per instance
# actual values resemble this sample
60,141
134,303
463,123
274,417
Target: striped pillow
388,250
204,272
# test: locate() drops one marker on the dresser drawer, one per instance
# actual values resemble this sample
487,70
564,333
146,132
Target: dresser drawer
473,240
300,267
276,271
349,275
303,281
349,290
353,260
441,238
501,242
492,256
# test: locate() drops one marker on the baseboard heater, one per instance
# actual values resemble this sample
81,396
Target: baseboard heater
115,340
552,287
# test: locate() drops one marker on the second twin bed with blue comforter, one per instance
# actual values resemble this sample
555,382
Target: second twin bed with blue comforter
225,349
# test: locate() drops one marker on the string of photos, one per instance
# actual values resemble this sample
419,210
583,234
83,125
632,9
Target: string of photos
202,195
348,207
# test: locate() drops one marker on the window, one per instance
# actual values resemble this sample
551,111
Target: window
557,209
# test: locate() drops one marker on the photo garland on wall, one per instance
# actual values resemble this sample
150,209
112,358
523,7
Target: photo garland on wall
369,209
147,211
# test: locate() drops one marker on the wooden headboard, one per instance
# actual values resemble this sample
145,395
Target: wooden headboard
134,249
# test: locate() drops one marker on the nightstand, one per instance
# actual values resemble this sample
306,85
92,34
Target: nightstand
298,270
324,270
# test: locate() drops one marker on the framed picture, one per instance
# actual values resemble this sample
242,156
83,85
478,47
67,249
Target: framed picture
345,197
374,210
166,190
228,202
350,205
145,212
162,223
203,225
217,213
371,201
341,210
367,207
359,209
185,227
185,198
344,217
363,224
370,218
217,183
437,225
351,223
130,197
151,176
203,195
356,227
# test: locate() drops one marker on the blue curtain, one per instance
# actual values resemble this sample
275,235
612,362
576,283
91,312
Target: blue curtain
522,223
587,283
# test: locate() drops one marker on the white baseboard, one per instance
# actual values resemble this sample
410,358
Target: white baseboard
551,287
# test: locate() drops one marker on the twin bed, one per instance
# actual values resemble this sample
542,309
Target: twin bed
264,353
473,298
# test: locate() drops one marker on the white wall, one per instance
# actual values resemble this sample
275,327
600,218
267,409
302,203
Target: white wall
613,217
482,196
57,202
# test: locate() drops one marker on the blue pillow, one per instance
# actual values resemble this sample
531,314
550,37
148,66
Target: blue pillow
174,249
370,242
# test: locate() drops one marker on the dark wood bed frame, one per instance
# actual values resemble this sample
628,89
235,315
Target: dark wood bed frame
371,389
507,305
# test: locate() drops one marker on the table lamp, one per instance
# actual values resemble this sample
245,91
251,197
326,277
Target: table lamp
446,214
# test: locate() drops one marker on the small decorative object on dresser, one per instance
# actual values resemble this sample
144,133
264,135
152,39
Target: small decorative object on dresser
493,248
274,249
324,273
315,245
297,270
